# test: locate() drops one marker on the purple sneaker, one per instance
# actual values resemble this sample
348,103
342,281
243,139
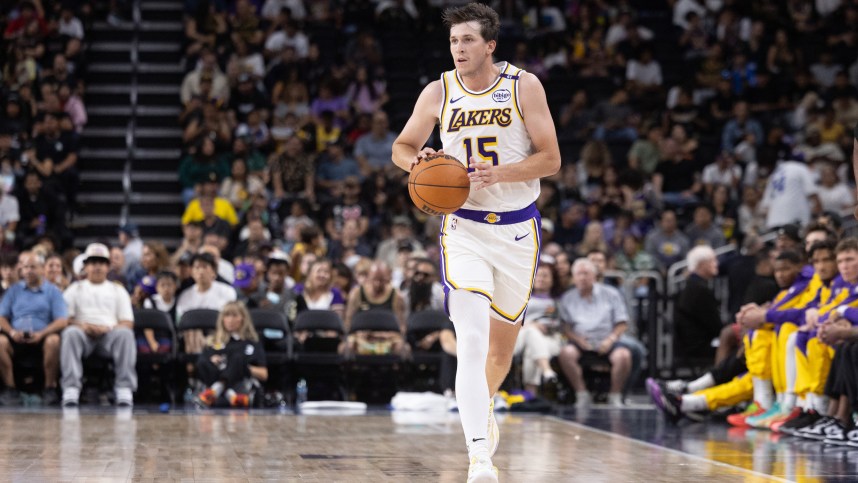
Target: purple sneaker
668,404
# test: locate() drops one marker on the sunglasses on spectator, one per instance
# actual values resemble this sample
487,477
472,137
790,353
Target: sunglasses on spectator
423,274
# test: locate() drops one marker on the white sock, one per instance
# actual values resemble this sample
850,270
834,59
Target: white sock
788,401
703,382
791,373
819,402
779,398
693,402
764,394
217,388
804,403
676,386
470,315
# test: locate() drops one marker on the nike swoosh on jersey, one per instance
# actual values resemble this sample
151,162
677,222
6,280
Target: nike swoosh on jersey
517,238
453,101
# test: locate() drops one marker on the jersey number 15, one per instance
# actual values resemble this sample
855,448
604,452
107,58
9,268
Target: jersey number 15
484,150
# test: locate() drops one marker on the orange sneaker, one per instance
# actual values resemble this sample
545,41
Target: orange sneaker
738,420
207,398
776,425
239,400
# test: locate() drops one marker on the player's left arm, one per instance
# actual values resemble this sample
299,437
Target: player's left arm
545,160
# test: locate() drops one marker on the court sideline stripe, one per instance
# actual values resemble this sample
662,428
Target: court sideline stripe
671,450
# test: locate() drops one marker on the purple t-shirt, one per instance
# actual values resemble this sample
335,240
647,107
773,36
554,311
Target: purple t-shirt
334,104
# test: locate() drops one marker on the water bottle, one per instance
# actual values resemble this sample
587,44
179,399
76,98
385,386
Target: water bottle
300,394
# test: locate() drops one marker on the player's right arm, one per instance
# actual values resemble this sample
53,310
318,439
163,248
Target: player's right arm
408,147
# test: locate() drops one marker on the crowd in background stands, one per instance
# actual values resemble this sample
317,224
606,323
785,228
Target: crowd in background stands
42,54
280,131
670,134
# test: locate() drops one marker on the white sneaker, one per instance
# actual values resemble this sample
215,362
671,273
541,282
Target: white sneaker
71,395
482,471
493,432
124,397
615,400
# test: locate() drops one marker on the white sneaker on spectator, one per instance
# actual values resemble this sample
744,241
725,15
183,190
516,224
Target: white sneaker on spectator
124,397
615,400
482,471
71,396
583,399
494,432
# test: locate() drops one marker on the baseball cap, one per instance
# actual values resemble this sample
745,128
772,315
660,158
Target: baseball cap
147,283
244,273
279,256
96,251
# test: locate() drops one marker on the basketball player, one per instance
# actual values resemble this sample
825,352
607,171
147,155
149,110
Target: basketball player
494,117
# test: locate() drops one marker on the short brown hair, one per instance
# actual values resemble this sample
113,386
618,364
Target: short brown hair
478,12
847,244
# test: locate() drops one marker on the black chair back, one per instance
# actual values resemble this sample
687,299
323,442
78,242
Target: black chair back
273,330
158,321
374,320
319,320
427,321
199,319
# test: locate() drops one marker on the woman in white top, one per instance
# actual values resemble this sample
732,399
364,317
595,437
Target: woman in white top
540,338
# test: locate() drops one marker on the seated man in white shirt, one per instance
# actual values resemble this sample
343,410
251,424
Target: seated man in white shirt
100,319
205,293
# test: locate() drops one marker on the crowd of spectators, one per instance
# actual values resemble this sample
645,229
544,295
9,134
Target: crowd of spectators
43,58
681,128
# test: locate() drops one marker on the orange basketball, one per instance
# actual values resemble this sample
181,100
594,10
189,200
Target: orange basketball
439,184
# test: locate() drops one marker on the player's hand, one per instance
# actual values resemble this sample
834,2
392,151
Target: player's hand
835,331
752,318
811,318
483,174
423,154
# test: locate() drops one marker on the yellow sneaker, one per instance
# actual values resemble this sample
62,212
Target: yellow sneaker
493,432
482,471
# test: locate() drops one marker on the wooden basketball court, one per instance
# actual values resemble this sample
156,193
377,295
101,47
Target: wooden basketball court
106,445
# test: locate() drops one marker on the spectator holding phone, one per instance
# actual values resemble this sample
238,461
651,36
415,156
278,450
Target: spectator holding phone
32,315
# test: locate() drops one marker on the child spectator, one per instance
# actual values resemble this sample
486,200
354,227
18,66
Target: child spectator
164,300
231,359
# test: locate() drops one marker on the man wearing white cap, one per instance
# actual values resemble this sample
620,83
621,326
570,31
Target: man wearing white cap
100,319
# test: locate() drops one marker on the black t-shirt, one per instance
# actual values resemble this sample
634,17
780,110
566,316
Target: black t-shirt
242,104
253,351
55,148
677,177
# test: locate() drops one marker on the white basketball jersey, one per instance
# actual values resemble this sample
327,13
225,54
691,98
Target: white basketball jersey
489,127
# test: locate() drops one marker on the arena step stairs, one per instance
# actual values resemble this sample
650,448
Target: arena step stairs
131,147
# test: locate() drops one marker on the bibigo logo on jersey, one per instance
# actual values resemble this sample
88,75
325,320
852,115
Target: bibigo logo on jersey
501,95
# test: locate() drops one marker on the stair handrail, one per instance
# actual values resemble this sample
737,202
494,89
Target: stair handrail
131,126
